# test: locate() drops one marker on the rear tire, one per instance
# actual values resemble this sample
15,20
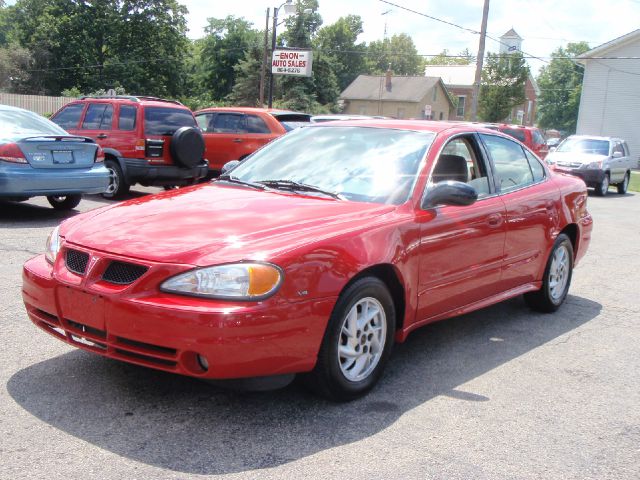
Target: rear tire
357,342
622,187
603,187
64,202
556,279
118,185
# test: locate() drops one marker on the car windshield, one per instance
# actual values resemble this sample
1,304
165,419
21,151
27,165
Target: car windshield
15,123
165,121
585,145
354,163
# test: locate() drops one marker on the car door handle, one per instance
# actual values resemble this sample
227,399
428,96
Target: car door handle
495,220
101,136
237,140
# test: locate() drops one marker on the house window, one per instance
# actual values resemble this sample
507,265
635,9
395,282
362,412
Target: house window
362,110
401,113
435,93
460,110
441,115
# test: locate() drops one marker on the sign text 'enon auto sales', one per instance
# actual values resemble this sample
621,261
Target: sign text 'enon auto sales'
292,62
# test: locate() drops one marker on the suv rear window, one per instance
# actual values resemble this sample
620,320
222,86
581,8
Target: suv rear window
165,121
517,134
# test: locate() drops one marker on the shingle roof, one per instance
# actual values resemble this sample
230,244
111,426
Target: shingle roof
403,89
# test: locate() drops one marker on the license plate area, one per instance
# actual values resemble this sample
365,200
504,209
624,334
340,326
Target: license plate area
81,307
63,156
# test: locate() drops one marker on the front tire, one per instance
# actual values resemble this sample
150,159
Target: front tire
603,187
357,342
556,280
64,202
622,187
118,185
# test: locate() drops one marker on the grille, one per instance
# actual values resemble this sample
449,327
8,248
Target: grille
122,273
77,261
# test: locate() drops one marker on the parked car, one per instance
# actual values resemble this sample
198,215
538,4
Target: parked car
334,117
146,140
233,133
531,136
314,255
599,161
553,142
38,158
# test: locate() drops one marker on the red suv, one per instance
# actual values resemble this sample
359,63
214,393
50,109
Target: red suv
232,133
146,140
530,136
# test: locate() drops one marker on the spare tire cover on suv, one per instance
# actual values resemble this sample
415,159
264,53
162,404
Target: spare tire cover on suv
187,146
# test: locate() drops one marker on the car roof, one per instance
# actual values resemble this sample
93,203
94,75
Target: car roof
271,111
596,137
134,99
435,126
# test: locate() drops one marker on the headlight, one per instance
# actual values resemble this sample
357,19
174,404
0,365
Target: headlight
239,281
595,165
53,246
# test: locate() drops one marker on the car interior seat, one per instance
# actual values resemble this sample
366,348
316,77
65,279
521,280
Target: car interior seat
451,167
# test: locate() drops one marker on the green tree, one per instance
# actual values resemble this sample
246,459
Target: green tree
503,83
445,58
336,43
92,44
15,62
246,89
399,52
560,85
225,45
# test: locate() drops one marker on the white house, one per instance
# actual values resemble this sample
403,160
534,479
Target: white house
610,99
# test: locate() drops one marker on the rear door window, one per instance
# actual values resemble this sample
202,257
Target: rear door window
93,119
536,167
256,125
512,169
69,116
127,119
165,121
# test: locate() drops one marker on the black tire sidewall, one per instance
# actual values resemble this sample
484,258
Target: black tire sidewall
187,147
365,287
561,240
70,201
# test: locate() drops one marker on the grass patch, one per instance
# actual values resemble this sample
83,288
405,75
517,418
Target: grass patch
634,184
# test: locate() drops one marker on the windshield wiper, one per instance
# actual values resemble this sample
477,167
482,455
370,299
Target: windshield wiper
299,187
232,179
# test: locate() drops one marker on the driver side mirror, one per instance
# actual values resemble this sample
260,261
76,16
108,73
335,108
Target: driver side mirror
449,193
230,165
617,155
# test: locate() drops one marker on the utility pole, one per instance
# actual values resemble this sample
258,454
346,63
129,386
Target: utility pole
265,57
479,62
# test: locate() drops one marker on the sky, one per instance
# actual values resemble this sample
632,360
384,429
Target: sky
543,24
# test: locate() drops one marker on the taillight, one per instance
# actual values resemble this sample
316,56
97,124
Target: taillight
10,152
99,155
140,145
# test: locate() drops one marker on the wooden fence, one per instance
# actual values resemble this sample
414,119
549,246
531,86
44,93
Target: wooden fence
36,103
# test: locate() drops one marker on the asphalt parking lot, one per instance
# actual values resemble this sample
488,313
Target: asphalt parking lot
500,393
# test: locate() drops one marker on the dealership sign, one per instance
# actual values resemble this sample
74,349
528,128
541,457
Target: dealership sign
292,62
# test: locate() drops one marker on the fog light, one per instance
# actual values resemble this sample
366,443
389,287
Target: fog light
203,362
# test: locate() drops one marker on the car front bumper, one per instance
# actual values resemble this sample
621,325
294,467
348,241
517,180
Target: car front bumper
141,171
20,180
592,177
144,326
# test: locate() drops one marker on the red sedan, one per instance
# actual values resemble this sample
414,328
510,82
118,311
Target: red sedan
314,255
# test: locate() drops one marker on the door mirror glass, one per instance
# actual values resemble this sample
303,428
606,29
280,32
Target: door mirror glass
617,155
449,193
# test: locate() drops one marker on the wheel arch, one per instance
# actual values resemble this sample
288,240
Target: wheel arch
387,274
571,231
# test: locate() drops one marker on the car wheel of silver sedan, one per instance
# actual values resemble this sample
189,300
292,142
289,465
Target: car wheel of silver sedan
357,342
557,278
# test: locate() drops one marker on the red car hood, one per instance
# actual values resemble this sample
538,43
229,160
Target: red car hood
211,223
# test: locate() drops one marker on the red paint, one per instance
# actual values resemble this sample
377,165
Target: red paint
449,260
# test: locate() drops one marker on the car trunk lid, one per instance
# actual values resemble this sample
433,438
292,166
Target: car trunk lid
58,152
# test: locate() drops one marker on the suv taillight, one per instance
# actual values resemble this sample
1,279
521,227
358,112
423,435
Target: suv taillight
99,155
10,152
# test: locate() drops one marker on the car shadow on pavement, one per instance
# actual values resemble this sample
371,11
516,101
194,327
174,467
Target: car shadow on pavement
188,426
19,214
